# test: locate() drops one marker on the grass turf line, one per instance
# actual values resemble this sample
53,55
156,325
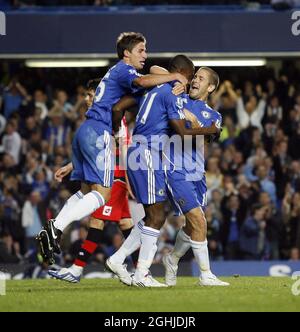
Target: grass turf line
109,295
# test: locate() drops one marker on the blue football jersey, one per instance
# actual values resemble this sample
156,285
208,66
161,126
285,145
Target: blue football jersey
117,83
189,155
157,107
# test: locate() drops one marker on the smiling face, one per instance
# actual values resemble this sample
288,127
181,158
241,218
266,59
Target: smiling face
201,85
137,56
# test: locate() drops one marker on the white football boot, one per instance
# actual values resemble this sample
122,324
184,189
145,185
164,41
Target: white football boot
147,281
120,271
212,280
66,274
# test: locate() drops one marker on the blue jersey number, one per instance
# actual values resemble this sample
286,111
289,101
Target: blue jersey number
146,107
100,92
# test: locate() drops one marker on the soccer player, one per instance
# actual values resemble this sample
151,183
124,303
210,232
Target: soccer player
115,210
91,147
159,111
187,185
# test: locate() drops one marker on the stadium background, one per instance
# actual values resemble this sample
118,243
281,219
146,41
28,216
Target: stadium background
256,161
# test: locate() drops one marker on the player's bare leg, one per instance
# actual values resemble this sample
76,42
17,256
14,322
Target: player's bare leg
196,228
193,234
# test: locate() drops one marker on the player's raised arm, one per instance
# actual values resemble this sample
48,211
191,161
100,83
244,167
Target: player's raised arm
158,70
178,88
150,80
119,109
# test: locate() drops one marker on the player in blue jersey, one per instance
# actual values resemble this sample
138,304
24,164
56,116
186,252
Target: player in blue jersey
159,111
187,186
92,156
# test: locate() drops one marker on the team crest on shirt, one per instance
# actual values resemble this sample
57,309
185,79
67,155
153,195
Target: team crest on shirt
107,210
206,114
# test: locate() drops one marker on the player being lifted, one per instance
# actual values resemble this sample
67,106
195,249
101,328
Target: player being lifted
115,210
159,111
92,157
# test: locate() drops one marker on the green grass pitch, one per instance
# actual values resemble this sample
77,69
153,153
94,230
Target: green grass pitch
109,295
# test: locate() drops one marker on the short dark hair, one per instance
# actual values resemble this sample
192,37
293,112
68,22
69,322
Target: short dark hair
92,84
127,41
180,63
214,77
255,207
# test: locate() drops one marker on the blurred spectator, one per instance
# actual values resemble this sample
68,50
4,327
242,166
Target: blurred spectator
40,103
7,254
251,112
214,178
213,234
14,95
291,218
253,240
40,183
273,225
58,129
215,204
33,215
233,218
266,185
11,142
63,104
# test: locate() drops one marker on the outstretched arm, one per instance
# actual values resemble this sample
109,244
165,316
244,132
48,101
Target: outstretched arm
158,70
150,80
178,88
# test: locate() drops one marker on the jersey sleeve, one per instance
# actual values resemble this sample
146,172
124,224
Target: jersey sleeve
126,77
206,121
174,105
218,120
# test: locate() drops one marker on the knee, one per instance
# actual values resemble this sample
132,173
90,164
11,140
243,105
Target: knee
196,220
155,222
158,220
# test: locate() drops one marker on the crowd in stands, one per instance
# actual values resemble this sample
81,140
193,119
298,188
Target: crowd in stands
253,172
